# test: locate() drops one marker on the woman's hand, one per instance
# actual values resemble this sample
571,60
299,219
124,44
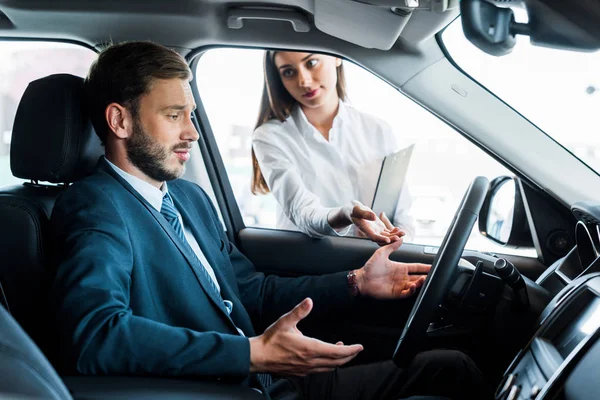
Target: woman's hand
380,230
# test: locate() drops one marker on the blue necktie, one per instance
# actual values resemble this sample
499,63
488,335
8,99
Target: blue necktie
170,213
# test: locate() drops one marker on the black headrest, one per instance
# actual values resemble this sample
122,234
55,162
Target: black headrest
53,139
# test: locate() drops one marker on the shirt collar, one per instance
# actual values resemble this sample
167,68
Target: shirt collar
301,121
306,128
342,114
150,193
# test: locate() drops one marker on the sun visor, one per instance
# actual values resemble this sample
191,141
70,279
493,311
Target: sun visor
366,25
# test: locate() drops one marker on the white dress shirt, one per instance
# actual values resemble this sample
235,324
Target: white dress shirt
310,176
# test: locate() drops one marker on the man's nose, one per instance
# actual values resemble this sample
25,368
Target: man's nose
189,132
304,77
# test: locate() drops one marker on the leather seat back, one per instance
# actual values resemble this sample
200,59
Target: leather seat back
25,372
53,143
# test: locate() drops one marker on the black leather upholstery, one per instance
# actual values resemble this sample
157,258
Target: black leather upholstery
24,371
146,388
24,213
52,140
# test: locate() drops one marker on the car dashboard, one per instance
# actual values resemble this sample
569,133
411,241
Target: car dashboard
583,258
558,360
562,358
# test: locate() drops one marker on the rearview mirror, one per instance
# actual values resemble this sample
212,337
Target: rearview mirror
568,25
488,27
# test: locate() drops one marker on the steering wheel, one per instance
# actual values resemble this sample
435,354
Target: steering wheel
444,265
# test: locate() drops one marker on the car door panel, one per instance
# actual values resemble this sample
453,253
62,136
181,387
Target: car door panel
289,253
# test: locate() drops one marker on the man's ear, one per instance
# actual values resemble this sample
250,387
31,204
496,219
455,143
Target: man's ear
119,120
338,62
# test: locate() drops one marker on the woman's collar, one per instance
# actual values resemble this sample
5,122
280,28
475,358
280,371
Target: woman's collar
306,128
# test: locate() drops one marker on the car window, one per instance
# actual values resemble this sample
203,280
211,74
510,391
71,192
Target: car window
22,62
443,163
559,91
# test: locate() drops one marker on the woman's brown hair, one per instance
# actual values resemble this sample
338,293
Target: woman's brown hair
277,103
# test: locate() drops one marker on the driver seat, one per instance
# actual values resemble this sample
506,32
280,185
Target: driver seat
52,144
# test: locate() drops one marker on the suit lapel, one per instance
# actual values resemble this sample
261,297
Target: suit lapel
174,237
211,248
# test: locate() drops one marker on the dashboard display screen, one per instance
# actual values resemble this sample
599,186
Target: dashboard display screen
582,326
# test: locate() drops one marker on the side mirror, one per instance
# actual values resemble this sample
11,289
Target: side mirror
502,218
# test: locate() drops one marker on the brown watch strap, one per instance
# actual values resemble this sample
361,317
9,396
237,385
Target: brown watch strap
352,284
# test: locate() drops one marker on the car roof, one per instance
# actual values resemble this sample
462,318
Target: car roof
191,24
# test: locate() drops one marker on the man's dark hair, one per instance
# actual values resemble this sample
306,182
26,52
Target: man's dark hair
123,73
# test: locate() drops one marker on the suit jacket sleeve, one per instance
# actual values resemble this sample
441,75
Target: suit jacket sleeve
266,298
91,296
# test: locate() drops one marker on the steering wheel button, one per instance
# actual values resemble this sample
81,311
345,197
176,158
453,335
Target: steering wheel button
509,380
535,390
514,393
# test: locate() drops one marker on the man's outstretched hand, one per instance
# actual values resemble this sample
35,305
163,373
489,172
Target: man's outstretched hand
383,278
282,349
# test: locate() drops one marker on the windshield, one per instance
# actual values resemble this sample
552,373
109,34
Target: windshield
559,91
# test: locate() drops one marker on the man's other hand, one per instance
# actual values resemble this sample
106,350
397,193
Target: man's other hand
282,349
383,278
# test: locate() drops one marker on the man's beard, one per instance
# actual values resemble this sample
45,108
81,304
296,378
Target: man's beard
149,156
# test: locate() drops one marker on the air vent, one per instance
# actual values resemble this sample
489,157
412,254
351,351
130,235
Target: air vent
584,217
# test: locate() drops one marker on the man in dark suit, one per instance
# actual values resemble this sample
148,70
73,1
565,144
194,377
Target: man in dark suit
148,282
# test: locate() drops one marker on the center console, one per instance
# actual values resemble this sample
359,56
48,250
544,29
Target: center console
562,360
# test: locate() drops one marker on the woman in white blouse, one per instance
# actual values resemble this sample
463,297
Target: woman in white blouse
319,156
